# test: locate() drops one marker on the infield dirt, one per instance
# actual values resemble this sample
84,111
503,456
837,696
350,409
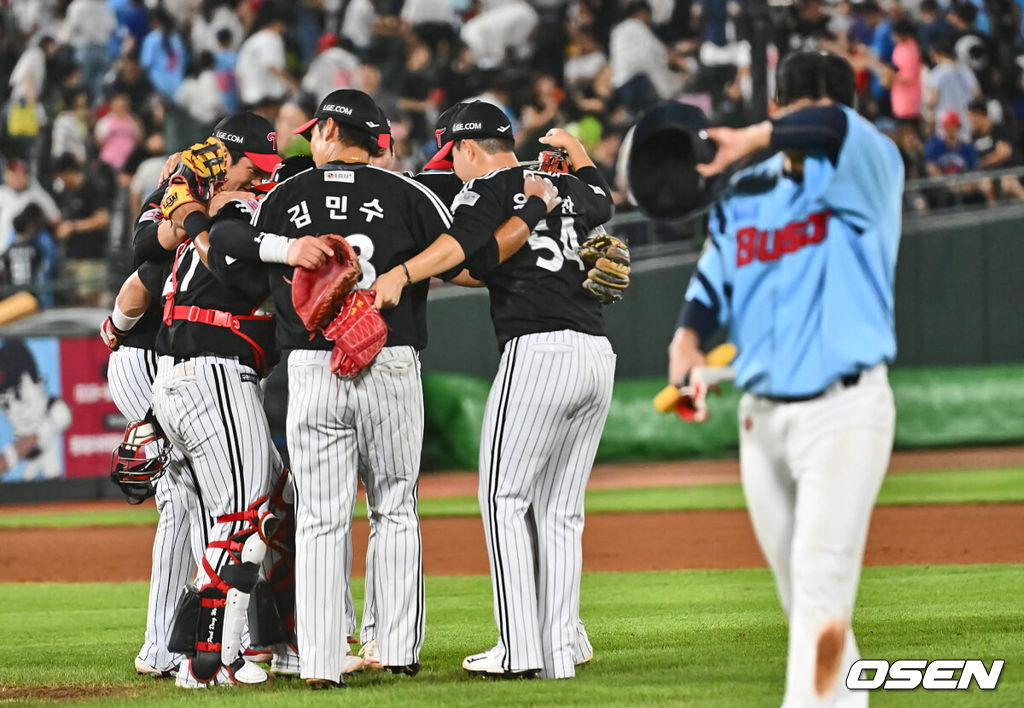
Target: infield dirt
941,534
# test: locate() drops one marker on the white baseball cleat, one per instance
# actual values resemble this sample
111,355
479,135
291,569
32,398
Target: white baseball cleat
285,663
489,664
144,669
370,654
240,673
352,664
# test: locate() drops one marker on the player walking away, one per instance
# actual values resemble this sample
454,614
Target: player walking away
801,270
130,373
549,399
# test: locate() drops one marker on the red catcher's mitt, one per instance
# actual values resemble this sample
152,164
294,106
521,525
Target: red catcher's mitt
318,295
359,333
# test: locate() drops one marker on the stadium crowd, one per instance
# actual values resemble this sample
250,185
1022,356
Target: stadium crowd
100,91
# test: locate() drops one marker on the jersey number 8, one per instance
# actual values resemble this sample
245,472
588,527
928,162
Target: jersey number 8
363,246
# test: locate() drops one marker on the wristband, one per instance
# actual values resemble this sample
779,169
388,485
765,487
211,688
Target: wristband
122,321
408,278
196,223
533,211
274,248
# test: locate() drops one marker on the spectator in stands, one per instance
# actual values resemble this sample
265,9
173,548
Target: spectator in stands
117,133
994,147
88,27
934,28
501,33
905,84
17,192
414,92
30,256
540,114
141,172
334,67
130,79
641,65
200,93
949,86
133,16
29,74
83,230
295,112
72,127
163,55
225,59
261,71
433,21
946,154
216,25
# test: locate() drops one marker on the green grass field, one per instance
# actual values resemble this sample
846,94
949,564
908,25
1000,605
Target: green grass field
929,487
699,637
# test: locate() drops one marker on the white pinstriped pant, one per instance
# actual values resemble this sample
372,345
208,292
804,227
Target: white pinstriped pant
334,427
130,375
542,425
211,408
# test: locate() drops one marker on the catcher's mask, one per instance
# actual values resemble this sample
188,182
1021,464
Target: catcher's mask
130,468
662,153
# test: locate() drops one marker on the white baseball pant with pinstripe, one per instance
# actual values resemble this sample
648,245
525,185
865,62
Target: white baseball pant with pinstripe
130,375
542,425
334,426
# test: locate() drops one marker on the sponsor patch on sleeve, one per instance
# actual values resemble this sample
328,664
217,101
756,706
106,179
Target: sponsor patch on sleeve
465,197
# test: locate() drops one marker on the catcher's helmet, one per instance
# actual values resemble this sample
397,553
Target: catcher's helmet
662,152
130,467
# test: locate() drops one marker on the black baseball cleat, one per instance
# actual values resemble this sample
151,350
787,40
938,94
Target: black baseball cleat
487,664
409,669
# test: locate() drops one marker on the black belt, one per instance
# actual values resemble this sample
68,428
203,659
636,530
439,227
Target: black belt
847,381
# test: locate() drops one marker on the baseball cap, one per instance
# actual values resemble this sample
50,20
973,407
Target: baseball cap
442,159
384,132
349,107
253,136
949,118
288,167
477,120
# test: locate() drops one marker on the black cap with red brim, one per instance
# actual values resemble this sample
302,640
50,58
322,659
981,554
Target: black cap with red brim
288,167
352,108
251,135
477,120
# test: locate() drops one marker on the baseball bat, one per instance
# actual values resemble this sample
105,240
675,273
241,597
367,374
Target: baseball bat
715,370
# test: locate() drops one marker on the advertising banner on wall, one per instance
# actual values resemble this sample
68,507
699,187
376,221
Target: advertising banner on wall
56,416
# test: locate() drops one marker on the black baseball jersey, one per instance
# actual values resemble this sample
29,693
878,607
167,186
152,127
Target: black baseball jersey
540,288
385,216
227,285
444,183
146,247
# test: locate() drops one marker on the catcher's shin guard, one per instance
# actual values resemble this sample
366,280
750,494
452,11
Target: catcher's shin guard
223,602
183,635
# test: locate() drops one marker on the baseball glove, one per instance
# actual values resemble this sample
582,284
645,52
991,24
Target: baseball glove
358,332
318,295
608,257
201,170
111,335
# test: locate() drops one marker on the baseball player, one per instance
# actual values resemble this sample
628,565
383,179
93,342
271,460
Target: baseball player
800,265
214,348
374,419
551,394
130,374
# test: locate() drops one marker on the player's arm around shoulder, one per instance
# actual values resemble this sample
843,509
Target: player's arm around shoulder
595,193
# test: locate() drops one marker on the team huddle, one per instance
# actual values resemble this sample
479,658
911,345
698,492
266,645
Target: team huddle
804,228
343,248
